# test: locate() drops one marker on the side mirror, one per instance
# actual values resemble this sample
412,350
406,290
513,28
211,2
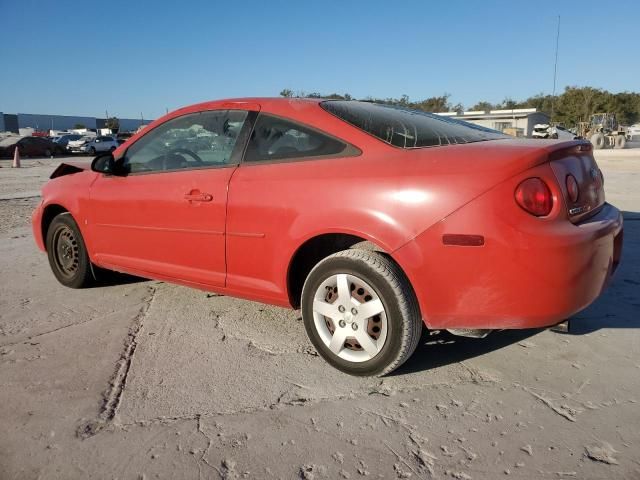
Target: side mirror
104,163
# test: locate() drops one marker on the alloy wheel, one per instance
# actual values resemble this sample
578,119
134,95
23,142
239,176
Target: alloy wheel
350,317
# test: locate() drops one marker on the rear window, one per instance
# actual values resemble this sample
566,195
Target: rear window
406,128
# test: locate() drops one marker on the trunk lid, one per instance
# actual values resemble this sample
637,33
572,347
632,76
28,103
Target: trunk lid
578,161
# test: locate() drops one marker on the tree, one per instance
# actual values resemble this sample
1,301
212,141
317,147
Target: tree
509,104
287,93
483,106
433,104
575,104
79,126
112,123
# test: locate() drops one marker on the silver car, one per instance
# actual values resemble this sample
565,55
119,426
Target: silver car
100,144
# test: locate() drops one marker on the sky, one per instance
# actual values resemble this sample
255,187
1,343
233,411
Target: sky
141,58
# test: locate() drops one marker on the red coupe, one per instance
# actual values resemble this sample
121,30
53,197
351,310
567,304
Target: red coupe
373,220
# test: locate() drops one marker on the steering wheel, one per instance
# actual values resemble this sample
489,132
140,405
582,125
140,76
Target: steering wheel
187,152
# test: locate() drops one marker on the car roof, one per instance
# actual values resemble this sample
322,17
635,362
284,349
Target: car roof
266,103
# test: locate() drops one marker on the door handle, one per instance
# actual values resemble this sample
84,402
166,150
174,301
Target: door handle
197,196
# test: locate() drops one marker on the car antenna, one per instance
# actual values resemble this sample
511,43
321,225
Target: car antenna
555,72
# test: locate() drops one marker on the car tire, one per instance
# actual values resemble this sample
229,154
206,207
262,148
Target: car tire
333,292
92,151
67,252
620,141
112,149
47,153
598,141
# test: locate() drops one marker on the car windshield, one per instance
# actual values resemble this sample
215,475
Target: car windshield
406,128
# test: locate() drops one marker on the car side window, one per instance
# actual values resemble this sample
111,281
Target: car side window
274,138
199,140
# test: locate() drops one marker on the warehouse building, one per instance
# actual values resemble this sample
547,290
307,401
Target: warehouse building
15,122
518,122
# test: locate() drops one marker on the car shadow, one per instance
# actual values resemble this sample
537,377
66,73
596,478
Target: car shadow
441,348
617,307
108,278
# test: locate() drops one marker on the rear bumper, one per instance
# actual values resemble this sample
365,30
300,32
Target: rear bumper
529,273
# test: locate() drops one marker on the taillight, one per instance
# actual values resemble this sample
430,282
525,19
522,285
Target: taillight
534,196
572,188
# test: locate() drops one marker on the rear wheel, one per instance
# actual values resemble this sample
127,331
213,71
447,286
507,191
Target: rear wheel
67,252
47,153
598,141
360,313
620,141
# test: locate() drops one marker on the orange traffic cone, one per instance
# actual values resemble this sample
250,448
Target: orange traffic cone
16,158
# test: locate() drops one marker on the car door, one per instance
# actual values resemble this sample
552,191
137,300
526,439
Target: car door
283,163
165,214
28,146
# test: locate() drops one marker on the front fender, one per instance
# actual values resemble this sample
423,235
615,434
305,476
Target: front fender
66,193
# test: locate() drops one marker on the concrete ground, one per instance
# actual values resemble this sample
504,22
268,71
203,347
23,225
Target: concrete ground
143,379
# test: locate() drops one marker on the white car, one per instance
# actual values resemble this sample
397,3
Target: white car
100,144
544,130
633,132
76,145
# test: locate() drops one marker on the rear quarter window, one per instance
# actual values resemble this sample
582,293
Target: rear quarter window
274,138
406,128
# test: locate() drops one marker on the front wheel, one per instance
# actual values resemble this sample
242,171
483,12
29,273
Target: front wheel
67,252
361,313
598,141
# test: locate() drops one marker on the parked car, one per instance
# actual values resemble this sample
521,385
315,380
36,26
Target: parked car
29,146
75,146
544,130
100,144
373,220
64,140
633,132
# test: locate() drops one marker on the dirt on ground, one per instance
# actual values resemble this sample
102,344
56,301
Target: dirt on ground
143,379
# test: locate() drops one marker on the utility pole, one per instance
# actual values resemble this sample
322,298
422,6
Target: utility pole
555,72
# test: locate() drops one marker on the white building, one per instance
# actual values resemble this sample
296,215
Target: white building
518,122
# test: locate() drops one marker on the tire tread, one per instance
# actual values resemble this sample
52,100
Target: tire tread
405,296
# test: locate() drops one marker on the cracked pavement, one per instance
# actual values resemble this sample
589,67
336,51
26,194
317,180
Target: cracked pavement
142,379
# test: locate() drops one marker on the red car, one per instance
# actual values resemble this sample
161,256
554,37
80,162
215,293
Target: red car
373,220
